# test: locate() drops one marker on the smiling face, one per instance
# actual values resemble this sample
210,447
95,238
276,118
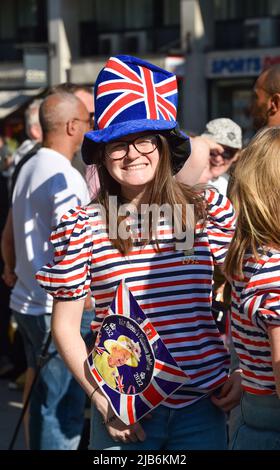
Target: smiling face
220,165
136,170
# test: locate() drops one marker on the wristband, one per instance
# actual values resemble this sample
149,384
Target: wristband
93,392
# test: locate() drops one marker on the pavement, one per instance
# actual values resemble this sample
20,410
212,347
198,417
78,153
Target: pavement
10,409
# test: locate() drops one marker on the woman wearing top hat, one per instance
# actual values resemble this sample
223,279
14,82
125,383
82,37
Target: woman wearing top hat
137,146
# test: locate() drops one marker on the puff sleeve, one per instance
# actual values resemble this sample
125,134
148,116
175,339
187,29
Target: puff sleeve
261,297
220,224
68,276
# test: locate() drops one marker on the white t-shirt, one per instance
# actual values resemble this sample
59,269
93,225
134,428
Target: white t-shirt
221,183
22,150
47,186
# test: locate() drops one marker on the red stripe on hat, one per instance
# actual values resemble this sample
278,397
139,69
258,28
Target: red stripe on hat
167,87
151,95
120,67
115,108
164,112
166,104
117,86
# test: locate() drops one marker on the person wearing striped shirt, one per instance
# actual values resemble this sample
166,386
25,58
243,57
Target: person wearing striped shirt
137,146
253,266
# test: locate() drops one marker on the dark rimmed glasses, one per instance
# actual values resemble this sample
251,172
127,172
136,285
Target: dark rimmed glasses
86,121
145,144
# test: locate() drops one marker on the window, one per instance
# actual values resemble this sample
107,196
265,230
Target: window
136,17
109,15
27,13
31,21
22,21
233,9
108,44
135,42
141,25
171,12
246,23
8,21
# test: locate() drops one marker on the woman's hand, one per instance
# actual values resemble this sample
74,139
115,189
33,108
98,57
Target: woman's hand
197,162
197,167
118,431
230,394
121,432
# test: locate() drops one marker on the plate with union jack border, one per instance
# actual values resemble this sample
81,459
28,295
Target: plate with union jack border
130,362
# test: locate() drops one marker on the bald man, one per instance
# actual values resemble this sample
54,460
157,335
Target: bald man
266,99
85,94
47,186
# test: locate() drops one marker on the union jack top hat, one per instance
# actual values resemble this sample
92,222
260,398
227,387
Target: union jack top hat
132,96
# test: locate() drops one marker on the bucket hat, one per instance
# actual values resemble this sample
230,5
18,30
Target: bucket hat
131,96
225,132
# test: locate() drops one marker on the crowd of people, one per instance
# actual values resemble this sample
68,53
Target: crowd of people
85,246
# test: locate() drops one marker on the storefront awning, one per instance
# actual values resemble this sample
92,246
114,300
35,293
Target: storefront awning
11,100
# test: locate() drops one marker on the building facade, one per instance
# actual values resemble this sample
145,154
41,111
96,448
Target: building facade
216,48
234,41
46,42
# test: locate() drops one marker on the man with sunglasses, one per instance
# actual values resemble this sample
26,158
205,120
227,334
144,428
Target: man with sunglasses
228,137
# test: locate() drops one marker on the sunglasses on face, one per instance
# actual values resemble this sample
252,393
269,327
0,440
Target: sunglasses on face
227,154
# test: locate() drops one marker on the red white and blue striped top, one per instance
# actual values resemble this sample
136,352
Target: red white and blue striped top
175,296
256,307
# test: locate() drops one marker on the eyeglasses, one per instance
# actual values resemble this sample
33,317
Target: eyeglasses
145,144
91,117
86,121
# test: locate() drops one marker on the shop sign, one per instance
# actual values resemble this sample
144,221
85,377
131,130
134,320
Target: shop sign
241,63
35,69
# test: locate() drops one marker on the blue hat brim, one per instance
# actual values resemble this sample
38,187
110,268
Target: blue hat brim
178,140
115,131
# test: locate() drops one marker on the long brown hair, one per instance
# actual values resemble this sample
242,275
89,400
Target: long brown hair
165,190
255,194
